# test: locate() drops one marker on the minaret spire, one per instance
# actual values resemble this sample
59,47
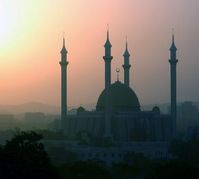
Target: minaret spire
126,44
63,50
63,42
107,59
107,31
173,62
63,63
63,39
173,46
126,65
173,38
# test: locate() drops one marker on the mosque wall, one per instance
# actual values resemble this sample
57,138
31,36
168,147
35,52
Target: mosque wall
139,126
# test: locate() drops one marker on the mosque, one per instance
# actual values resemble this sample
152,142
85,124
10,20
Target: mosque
118,115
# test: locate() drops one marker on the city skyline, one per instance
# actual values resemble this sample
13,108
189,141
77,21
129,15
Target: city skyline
30,68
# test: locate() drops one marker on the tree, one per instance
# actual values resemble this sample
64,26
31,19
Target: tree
186,151
174,169
24,157
86,169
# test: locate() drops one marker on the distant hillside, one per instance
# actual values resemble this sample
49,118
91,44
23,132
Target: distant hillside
29,107
51,109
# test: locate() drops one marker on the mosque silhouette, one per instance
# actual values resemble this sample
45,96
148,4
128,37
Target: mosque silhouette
118,115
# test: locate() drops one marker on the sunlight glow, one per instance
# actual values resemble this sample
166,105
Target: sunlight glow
9,16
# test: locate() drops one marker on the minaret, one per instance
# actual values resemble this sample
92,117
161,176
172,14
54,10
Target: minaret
126,65
63,63
107,59
173,61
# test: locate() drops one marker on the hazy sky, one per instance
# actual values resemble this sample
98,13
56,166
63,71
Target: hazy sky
31,39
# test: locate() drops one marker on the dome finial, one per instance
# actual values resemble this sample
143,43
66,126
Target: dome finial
118,74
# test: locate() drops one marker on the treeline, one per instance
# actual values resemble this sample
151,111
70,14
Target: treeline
24,156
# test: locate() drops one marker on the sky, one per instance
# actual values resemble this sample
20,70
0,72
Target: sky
31,35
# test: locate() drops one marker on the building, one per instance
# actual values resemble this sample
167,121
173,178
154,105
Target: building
118,126
188,116
109,155
7,121
118,116
35,120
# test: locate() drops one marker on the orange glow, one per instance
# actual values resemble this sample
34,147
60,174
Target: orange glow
31,39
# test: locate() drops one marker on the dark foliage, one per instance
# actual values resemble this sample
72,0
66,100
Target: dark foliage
24,157
174,170
186,151
50,135
88,170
